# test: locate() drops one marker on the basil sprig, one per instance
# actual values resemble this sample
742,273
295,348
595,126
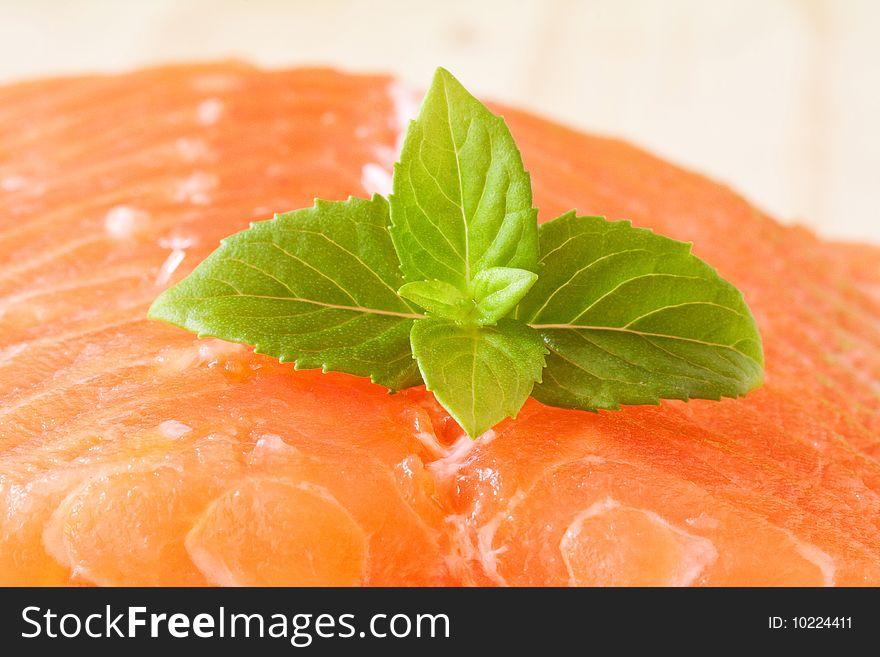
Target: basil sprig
451,282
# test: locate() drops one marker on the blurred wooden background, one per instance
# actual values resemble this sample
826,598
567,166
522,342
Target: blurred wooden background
778,98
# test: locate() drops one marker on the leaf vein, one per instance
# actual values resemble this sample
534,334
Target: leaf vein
630,280
358,309
578,273
575,327
680,305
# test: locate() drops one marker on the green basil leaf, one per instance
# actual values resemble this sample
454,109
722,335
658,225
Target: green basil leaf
631,317
480,374
462,202
316,286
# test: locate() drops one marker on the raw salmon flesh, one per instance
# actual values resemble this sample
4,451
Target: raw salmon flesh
133,453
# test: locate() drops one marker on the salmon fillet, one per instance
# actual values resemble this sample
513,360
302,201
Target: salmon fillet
133,453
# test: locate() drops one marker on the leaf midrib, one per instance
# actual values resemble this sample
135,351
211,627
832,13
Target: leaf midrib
334,306
617,329
464,218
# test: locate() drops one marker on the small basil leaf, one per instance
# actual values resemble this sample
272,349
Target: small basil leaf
439,298
480,374
498,290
